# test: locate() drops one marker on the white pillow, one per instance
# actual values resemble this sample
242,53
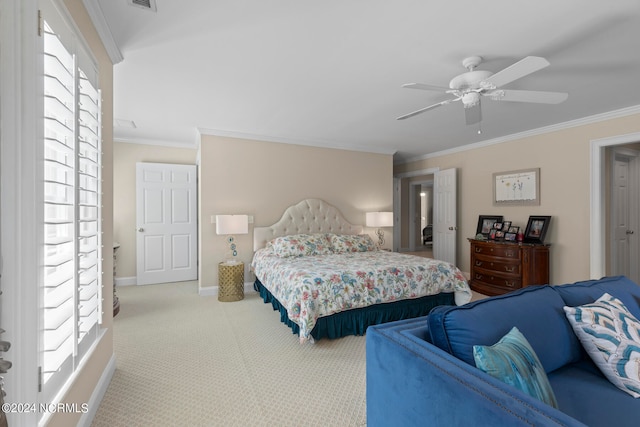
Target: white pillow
611,336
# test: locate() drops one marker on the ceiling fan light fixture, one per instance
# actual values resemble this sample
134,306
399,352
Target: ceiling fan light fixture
470,99
470,86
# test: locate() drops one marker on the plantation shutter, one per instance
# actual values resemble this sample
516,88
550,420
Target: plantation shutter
71,279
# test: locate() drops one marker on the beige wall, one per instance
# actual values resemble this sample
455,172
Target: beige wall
563,159
239,176
87,380
125,157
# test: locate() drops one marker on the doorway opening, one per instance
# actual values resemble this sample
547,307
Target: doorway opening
421,216
624,217
604,260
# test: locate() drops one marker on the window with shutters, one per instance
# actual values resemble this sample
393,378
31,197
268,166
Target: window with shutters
71,253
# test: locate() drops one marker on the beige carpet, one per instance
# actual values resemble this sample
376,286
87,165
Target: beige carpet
186,360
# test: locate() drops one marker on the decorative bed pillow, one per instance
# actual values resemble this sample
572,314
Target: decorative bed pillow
342,243
297,245
611,336
513,361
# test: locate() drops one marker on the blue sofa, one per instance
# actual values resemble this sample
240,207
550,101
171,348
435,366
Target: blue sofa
421,372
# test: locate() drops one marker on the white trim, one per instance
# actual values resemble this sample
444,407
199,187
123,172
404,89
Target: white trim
212,291
71,381
292,141
623,112
125,281
18,114
157,142
104,32
428,171
597,240
98,393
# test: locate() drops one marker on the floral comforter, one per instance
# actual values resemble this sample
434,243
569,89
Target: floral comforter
310,287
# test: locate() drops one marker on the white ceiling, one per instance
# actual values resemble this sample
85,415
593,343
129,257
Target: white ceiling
329,73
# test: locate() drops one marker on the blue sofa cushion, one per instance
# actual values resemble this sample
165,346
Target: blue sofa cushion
513,361
588,291
585,394
537,311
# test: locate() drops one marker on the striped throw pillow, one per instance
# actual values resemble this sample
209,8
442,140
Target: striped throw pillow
611,336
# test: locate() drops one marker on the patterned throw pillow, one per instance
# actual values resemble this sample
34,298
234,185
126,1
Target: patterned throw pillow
513,361
342,243
611,336
297,245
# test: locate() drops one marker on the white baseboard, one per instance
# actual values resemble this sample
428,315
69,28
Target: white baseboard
212,291
125,281
98,393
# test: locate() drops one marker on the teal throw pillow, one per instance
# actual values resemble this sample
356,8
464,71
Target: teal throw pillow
513,361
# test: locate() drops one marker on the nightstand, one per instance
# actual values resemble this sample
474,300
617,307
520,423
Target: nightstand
230,281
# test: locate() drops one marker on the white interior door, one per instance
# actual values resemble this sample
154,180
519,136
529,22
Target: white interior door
624,214
445,225
166,219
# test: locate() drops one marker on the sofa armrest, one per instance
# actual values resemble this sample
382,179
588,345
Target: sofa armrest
412,382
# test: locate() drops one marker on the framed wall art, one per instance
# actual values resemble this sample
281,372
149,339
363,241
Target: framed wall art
516,188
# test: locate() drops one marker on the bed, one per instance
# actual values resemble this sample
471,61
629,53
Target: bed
328,279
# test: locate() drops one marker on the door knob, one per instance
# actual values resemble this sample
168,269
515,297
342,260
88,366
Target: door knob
630,231
140,229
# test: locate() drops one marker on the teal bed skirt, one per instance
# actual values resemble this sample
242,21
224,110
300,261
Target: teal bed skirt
356,321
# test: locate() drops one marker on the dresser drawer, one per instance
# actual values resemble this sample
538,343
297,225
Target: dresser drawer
502,251
498,267
505,282
490,289
509,266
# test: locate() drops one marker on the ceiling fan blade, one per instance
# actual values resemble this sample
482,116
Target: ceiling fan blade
423,86
518,70
539,97
430,107
473,115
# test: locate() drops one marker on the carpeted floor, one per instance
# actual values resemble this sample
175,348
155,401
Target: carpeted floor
186,360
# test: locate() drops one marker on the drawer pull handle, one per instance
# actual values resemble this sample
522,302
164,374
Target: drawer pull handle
509,284
509,253
509,270
478,250
478,263
478,276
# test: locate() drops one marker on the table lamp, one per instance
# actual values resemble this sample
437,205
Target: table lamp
379,220
231,225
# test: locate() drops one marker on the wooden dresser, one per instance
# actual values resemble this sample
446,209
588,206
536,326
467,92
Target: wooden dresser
498,267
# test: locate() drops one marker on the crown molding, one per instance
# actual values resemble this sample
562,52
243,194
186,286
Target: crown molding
623,112
104,32
292,141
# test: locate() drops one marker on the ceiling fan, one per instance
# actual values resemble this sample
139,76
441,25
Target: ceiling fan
469,87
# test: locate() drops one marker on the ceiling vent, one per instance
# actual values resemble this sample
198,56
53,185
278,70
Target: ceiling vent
144,4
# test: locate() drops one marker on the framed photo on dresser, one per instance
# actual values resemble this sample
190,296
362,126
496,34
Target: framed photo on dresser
536,230
486,223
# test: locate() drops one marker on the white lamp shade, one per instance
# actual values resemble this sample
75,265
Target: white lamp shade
379,219
232,224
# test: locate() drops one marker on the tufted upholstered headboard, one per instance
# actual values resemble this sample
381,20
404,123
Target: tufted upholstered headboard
308,216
